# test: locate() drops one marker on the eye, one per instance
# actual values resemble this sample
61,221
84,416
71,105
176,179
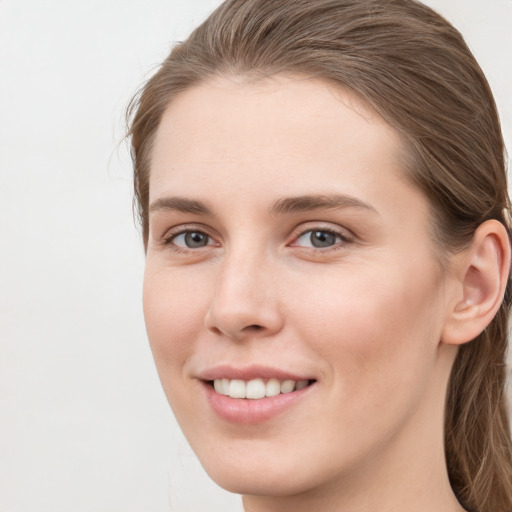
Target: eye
191,239
319,239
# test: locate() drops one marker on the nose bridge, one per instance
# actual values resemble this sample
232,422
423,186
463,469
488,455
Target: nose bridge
245,300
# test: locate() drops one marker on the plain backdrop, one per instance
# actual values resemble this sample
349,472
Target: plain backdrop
84,425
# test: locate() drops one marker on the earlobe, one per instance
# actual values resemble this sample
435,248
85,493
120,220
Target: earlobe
483,270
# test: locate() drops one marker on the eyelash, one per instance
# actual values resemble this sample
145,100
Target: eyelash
344,238
170,237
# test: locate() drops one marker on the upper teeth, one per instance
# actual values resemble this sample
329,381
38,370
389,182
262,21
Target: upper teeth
256,388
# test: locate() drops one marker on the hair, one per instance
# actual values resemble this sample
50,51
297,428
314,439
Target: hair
415,70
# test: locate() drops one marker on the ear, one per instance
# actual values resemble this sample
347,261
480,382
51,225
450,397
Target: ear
482,272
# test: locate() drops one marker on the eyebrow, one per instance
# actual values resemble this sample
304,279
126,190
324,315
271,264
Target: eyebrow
316,202
298,204
180,204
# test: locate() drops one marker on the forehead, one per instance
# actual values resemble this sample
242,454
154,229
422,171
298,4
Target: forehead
284,131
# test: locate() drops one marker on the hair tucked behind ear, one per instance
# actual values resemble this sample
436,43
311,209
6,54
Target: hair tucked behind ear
415,70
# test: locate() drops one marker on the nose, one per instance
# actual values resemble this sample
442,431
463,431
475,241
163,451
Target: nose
245,303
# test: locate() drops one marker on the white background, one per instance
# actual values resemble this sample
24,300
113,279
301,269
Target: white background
84,426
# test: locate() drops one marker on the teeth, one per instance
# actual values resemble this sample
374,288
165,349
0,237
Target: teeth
217,384
301,384
256,388
287,386
237,388
225,386
273,387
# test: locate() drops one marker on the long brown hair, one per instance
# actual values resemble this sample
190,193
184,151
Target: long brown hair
416,71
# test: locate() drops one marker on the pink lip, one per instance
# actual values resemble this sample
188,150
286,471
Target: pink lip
249,412
249,373
246,411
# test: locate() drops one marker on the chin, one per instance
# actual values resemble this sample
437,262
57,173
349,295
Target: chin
259,481
266,470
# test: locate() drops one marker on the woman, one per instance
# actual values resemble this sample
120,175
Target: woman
322,192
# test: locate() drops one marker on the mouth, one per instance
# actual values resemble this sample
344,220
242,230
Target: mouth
250,395
258,388
254,396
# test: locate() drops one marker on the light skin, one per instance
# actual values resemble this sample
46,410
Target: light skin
283,234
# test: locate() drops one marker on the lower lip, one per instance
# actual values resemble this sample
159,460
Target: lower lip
246,411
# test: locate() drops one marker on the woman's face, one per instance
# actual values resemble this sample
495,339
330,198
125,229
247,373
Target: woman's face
285,245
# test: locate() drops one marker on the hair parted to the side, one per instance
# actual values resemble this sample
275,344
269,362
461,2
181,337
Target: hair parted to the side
414,69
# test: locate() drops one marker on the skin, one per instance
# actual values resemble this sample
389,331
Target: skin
364,316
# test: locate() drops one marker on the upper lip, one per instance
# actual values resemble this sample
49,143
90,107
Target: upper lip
247,373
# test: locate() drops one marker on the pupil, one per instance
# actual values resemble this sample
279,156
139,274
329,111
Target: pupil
195,239
322,239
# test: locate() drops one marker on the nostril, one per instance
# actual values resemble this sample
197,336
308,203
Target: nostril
254,327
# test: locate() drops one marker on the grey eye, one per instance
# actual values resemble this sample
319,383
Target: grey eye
191,239
319,239
322,238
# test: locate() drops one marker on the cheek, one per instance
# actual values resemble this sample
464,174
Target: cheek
375,328
174,311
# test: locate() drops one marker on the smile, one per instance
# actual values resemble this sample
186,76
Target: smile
256,389
256,400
